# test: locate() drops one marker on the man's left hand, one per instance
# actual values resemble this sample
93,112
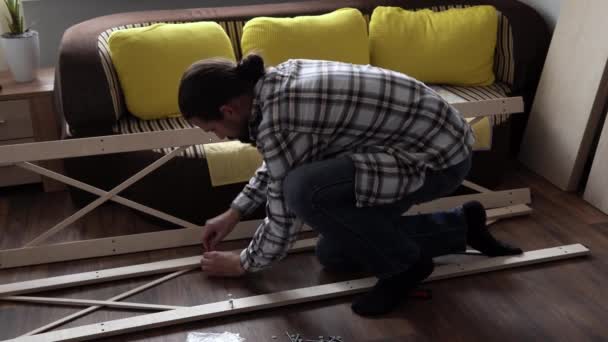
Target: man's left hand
222,264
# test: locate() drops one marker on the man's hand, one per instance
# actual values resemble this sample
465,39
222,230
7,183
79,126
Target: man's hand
222,264
218,227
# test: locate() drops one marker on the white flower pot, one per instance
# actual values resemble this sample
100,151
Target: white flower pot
22,53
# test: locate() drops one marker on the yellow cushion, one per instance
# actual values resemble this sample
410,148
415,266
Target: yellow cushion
455,46
150,62
482,130
231,162
337,36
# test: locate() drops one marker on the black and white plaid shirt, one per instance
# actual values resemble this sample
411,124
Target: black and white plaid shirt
391,126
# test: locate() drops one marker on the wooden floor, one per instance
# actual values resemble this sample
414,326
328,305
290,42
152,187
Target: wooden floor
565,301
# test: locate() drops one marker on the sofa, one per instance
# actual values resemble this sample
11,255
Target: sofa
90,100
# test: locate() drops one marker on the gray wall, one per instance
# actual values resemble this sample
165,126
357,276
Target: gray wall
549,9
52,17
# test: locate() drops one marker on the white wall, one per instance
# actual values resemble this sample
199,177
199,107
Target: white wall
3,28
549,9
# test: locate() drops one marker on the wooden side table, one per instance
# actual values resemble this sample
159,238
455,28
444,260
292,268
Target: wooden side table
27,114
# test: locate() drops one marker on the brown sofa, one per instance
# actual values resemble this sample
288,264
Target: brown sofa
89,97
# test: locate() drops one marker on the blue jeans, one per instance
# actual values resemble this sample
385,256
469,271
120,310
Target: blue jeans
376,239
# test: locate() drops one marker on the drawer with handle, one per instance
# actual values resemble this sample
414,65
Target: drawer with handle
15,120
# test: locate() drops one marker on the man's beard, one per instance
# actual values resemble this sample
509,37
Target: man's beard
245,138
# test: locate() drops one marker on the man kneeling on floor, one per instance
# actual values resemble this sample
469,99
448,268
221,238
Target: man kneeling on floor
347,149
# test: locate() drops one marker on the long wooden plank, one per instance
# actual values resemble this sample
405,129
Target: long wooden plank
96,203
507,212
117,245
82,147
507,105
190,236
115,298
60,149
571,95
596,190
118,273
290,297
490,200
168,265
475,187
117,198
90,302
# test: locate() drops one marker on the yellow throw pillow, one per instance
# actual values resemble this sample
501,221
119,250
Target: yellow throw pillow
151,60
455,46
482,130
231,162
337,36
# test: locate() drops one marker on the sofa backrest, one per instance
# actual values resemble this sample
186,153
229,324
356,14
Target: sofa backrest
108,106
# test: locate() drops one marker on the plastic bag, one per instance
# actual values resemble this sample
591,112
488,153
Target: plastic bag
212,337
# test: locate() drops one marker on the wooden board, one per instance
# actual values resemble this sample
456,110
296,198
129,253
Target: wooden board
596,190
490,200
117,245
191,236
290,297
571,95
124,272
182,137
123,295
90,302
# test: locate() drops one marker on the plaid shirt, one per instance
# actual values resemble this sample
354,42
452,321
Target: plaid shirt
391,126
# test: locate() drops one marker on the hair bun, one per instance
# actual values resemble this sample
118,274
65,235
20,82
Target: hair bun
251,68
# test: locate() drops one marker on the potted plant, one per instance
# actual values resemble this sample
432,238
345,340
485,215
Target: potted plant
21,46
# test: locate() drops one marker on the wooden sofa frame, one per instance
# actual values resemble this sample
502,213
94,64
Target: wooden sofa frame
500,204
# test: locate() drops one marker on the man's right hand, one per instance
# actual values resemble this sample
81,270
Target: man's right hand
218,227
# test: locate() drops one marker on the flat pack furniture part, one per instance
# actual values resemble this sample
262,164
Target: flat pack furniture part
116,298
500,204
571,95
22,154
295,296
90,302
299,246
125,272
520,208
596,190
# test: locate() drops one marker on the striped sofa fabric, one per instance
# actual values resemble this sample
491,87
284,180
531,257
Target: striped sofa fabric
125,123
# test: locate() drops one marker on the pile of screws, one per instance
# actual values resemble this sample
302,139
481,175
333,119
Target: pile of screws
299,338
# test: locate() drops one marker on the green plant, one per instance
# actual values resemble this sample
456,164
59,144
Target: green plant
15,18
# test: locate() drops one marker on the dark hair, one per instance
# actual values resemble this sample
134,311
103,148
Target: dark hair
210,83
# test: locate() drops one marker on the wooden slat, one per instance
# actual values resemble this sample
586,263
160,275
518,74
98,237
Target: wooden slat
115,298
89,302
290,297
104,198
118,199
100,145
475,187
190,236
490,200
506,212
118,273
493,107
571,95
60,149
117,245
